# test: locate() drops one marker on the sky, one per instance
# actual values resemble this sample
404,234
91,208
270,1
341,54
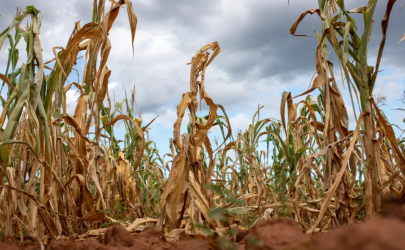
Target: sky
259,58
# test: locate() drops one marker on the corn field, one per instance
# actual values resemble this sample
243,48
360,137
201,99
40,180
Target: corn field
69,175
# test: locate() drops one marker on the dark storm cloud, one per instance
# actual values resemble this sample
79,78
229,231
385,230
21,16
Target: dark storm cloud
54,12
253,35
393,55
57,23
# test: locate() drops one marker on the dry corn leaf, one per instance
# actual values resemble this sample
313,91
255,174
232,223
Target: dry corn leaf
345,159
173,198
403,38
94,215
133,20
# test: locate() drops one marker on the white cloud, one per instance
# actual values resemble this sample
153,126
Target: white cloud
112,85
71,101
352,119
166,118
240,122
391,89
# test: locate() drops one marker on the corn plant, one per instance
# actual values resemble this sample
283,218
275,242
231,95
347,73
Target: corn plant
65,174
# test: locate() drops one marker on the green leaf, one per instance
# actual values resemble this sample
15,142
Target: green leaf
217,214
30,10
44,119
12,124
215,188
346,44
367,29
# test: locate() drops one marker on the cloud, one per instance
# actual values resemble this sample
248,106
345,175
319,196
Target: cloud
352,118
392,90
390,83
112,85
71,100
240,122
258,53
166,118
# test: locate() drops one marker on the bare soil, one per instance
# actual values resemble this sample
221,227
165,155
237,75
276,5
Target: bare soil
385,232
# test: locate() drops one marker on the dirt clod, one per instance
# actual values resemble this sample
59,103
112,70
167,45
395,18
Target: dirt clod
385,233
74,245
10,244
151,239
194,244
118,236
277,234
393,207
242,233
